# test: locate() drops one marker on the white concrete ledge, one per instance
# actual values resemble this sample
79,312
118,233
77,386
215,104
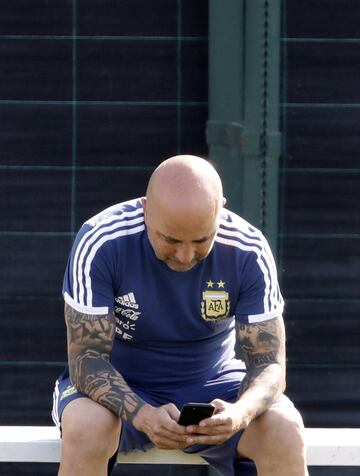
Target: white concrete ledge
30,443
333,446
41,444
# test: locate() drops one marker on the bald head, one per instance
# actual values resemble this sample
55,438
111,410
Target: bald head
182,209
185,181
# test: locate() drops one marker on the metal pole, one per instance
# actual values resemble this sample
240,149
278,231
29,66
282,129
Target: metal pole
242,132
226,88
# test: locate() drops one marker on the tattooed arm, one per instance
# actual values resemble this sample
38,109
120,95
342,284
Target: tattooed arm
262,348
90,340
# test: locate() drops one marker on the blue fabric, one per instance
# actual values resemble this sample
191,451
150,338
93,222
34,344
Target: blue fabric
170,320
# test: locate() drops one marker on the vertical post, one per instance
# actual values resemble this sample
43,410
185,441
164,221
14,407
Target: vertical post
242,131
226,90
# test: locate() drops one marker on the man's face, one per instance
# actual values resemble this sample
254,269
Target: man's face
181,238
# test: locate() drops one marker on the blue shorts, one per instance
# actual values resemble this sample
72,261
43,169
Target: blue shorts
225,386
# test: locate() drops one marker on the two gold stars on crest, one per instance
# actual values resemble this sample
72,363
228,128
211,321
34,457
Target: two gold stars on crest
211,283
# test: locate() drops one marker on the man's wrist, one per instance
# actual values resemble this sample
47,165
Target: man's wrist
141,415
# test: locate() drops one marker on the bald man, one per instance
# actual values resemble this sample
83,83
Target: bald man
157,290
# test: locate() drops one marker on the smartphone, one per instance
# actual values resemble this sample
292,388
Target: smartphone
193,413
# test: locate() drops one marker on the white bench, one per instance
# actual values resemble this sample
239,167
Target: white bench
41,444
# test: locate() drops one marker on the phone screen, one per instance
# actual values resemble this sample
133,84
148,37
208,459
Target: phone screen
193,413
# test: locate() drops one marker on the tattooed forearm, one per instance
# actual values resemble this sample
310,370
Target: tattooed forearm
99,380
262,347
264,385
90,340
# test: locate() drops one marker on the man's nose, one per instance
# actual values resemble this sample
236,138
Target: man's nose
185,254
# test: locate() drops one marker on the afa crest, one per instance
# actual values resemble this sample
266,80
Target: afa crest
215,305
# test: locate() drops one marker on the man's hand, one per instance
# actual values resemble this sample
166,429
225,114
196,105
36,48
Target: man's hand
160,425
226,421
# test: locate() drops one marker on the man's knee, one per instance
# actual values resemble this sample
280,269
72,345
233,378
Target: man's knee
284,431
278,433
88,427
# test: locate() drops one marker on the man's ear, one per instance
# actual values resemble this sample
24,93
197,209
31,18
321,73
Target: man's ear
224,201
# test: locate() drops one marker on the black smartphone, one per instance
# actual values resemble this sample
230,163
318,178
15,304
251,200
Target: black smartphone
193,413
